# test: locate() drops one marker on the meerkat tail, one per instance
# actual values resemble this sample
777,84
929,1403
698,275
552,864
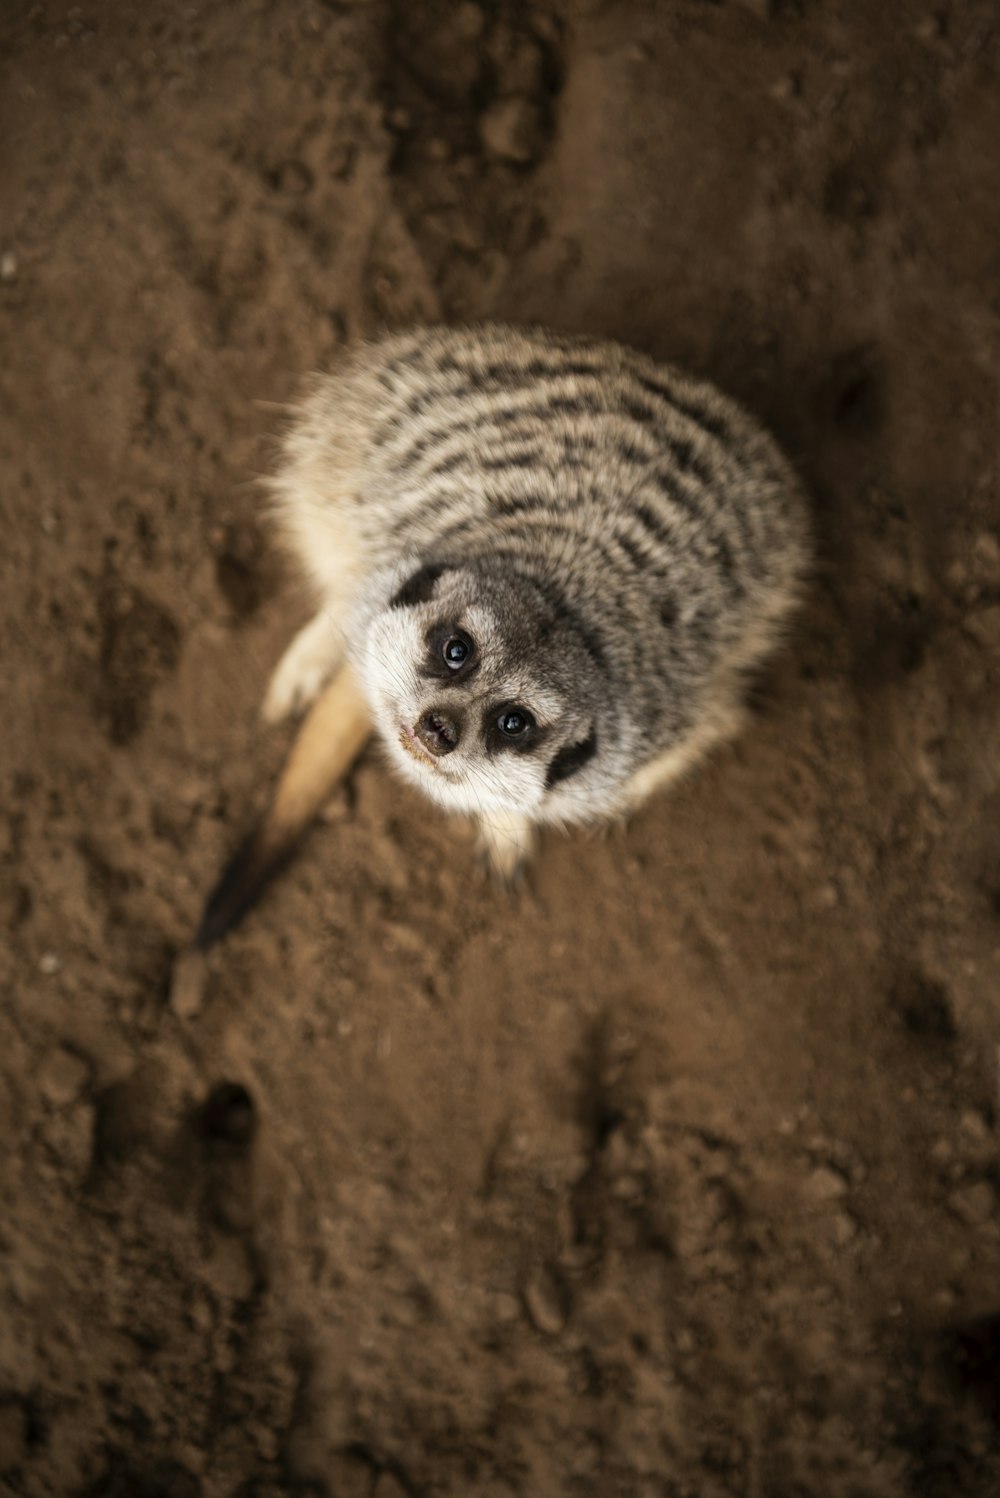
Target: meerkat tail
331,738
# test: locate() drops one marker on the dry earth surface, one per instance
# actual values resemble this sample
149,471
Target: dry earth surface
674,1175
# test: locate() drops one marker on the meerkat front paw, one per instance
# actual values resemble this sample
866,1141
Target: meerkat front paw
506,843
306,665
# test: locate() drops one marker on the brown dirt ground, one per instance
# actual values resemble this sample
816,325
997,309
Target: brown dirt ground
676,1174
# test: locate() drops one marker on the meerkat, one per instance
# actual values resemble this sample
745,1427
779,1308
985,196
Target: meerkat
543,568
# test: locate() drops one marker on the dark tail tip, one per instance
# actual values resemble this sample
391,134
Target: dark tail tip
244,879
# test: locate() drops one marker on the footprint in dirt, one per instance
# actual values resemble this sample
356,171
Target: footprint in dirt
140,644
227,1121
243,571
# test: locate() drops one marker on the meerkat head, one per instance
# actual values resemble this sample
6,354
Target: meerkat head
485,693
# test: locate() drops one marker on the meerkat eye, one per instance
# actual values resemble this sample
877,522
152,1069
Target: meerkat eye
456,650
514,721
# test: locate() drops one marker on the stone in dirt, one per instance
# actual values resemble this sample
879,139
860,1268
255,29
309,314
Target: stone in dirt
511,130
62,1076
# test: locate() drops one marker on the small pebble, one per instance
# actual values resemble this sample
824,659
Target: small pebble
824,1184
8,266
511,129
789,86
845,1229
977,1136
49,963
267,1442
986,555
229,1273
62,1077
546,1300
930,28
984,626
974,1205
187,984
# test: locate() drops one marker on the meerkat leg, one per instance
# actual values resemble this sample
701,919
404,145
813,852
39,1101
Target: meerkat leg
309,662
506,842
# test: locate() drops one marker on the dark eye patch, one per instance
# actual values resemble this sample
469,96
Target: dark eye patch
571,759
436,666
529,738
417,589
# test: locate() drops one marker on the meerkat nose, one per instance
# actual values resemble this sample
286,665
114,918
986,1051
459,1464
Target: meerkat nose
438,732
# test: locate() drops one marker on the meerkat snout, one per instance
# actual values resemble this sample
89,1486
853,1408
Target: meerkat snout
439,732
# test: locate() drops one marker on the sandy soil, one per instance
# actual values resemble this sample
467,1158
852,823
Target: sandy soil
675,1174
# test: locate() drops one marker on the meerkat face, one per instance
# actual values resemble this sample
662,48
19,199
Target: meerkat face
482,694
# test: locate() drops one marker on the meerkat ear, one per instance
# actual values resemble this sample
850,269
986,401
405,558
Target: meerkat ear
416,589
570,759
